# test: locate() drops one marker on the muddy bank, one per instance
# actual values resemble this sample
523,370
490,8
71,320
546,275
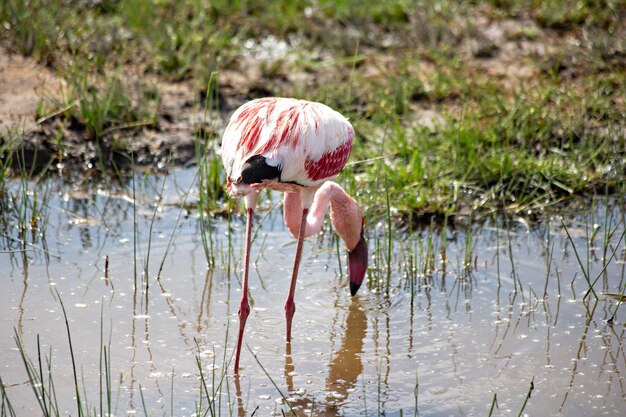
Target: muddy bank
54,140
23,83
39,131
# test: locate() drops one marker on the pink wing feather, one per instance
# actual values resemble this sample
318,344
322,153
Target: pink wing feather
330,164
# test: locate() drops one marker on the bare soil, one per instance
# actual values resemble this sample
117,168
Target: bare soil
23,82
25,85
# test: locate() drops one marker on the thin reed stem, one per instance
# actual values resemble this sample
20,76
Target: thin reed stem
582,268
69,339
530,391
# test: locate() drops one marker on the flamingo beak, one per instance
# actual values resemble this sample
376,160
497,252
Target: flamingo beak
357,264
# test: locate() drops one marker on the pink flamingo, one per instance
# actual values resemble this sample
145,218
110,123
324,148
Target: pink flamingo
293,146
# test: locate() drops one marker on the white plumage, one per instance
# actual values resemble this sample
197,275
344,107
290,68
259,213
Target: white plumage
293,135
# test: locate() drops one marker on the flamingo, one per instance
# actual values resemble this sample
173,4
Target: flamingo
296,147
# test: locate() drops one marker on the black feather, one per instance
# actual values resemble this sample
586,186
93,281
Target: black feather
256,170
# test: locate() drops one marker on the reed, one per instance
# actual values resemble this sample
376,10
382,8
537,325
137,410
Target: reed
210,184
390,229
416,413
530,391
45,398
494,404
79,405
6,408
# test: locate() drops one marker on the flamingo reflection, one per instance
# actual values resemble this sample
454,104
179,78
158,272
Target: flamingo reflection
344,369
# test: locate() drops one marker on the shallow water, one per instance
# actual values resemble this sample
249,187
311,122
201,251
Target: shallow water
442,343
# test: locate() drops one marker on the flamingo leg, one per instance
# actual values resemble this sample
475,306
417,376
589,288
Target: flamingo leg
244,306
290,305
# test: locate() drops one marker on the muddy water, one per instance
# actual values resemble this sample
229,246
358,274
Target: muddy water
505,309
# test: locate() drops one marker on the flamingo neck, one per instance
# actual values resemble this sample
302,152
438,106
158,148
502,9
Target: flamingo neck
345,214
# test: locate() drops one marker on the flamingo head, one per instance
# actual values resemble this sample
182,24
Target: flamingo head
357,264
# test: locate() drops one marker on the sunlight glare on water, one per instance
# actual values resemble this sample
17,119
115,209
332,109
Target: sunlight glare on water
446,339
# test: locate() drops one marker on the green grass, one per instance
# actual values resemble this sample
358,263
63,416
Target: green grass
496,141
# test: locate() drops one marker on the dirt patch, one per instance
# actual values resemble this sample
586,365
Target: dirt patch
23,83
508,49
26,87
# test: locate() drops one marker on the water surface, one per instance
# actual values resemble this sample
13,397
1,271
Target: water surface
446,325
